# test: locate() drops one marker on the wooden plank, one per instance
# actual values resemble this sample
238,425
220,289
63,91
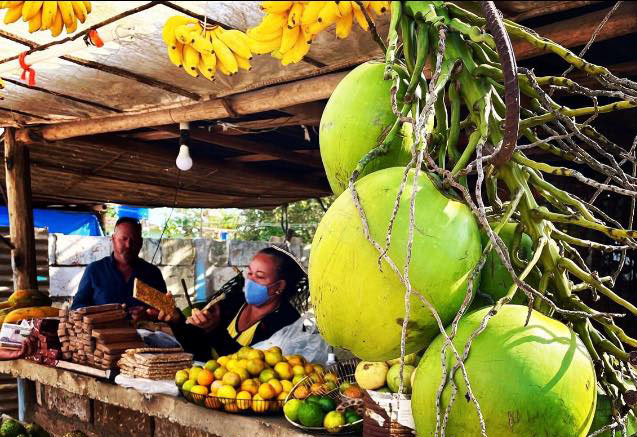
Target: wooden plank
18,181
249,127
577,31
543,8
275,97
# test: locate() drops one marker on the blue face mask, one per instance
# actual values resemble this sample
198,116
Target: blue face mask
256,294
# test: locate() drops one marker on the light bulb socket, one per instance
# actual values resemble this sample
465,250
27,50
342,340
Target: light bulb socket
184,137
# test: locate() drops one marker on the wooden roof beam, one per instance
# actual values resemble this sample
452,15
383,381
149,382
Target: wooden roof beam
577,31
232,142
309,182
253,102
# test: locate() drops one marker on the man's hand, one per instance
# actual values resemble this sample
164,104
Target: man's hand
168,318
206,320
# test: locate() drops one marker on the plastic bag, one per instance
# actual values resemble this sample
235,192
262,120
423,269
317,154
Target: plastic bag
148,386
158,339
299,338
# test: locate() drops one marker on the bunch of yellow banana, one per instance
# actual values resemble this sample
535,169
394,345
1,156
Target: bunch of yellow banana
288,27
53,16
1,86
200,50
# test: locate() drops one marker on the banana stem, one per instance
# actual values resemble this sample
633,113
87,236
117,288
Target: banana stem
392,38
573,268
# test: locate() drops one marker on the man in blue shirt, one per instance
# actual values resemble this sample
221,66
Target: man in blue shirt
110,280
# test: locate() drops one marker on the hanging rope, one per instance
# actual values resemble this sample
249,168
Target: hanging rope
26,69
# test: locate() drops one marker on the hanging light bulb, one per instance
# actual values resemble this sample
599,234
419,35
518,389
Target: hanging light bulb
184,161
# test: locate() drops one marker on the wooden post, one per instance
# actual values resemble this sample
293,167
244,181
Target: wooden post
18,180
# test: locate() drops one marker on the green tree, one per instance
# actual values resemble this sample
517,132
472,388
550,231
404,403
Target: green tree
302,219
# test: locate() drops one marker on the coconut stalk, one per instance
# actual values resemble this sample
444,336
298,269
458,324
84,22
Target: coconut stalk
475,68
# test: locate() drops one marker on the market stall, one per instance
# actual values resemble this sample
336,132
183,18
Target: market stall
125,110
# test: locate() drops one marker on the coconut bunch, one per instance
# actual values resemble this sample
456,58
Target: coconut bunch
198,49
288,27
47,15
472,248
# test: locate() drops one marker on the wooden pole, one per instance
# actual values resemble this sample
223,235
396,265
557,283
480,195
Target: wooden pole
275,97
18,181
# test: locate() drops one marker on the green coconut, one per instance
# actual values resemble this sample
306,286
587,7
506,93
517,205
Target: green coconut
604,417
357,113
361,308
495,279
530,381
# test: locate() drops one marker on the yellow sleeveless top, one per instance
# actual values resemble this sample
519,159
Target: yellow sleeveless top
244,338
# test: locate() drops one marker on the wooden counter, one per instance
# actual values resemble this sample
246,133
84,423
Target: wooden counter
61,400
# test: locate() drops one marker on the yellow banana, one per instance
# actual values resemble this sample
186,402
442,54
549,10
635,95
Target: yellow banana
35,23
289,38
210,61
329,14
223,69
206,71
12,5
73,27
263,36
234,40
311,12
243,63
190,59
345,8
175,54
68,16
168,32
80,10
183,32
29,9
13,15
272,22
317,27
360,17
49,10
297,52
379,8
294,18
88,6
57,25
224,54
262,47
273,7
201,43
344,26
276,54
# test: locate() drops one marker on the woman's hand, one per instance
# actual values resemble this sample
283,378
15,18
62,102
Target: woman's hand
206,320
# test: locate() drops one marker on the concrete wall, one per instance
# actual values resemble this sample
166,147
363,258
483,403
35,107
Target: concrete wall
205,265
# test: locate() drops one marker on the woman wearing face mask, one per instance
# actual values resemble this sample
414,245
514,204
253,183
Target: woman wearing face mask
243,319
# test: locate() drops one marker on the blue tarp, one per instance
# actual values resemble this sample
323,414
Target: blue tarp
61,222
132,211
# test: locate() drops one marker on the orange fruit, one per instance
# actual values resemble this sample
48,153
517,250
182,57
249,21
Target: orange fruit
287,385
223,361
219,372
255,366
301,392
232,364
243,374
267,375
256,354
309,369
317,388
205,377
232,379
296,360
272,358
243,364
194,372
318,368
243,352
297,379
298,370
260,405
276,385
282,396
227,394
231,408
331,377
283,370
276,349
216,385
250,386
266,391
244,400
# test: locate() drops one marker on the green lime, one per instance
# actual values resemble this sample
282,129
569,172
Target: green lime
311,414
315,399
334,421
327,404
188,385
291,409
